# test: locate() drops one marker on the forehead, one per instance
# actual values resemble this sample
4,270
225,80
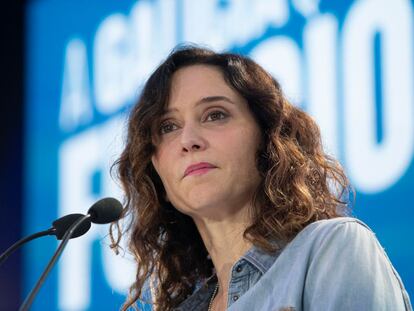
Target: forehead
191,83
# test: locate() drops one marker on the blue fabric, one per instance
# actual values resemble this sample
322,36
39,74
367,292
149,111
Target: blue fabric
334,264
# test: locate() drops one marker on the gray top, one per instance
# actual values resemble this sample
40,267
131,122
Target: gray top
335,264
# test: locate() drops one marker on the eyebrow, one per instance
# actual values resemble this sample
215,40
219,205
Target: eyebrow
208,99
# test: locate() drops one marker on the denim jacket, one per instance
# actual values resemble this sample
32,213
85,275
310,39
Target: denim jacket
335,264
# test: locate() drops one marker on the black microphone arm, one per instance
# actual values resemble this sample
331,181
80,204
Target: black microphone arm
59,228
102,212
20,242
29,300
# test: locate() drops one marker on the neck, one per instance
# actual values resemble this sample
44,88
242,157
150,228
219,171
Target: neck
225,244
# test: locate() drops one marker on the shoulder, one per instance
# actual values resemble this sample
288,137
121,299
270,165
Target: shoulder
337,224
341,230
343,241
346,261
343,236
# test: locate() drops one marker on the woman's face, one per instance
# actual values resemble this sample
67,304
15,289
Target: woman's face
206,145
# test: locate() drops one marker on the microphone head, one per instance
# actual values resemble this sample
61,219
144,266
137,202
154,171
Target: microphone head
62,225
105,211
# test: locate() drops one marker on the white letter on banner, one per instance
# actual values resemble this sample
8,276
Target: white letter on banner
374,166
242,20
119,270
153,35
127,50
75,106
320,41
111,51
281,57
233,23
80,158
198,24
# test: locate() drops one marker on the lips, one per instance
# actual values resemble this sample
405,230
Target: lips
198,168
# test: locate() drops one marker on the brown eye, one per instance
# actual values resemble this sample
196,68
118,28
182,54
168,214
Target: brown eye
167,127
216,115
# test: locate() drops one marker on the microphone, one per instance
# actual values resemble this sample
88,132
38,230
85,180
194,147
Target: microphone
59,228
104,211
61,225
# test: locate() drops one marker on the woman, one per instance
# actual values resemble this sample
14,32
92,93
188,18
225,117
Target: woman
233,202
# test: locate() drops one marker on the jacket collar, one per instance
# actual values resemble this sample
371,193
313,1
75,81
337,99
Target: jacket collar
260,259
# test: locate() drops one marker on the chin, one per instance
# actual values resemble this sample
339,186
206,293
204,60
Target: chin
200,206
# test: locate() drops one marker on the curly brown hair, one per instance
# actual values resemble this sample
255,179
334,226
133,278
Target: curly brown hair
300,183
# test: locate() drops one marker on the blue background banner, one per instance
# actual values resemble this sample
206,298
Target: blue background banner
348,63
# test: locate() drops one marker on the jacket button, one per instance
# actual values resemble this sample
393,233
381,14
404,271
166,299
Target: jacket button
235,297
239,269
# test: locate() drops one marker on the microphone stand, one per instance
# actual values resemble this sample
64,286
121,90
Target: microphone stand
16,245
29,300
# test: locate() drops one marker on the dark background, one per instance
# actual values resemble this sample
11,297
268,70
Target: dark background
11,142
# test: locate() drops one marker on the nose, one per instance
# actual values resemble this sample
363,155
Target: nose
192,139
